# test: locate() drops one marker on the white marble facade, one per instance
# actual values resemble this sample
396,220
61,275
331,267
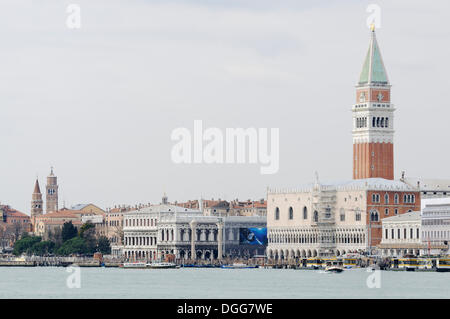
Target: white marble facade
326,219
153,232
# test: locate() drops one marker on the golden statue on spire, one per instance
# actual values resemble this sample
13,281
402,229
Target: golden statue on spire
372,27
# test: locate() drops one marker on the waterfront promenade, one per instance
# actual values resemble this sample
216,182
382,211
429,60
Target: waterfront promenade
301,264
34,261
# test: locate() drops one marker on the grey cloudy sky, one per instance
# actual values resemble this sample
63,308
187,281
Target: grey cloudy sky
99,103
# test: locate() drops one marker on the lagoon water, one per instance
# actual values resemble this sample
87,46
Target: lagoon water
50,282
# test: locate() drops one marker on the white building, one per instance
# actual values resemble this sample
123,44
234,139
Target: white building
418,233
151,233
213,236
140,227
401,235
436,225
323,219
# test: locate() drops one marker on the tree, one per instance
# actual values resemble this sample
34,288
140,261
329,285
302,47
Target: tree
25,244
103,245
119,234
69,231
42,248
3,236
76,245
85,227
87,232
18,229
55,236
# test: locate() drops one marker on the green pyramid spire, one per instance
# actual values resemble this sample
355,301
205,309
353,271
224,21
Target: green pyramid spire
373,69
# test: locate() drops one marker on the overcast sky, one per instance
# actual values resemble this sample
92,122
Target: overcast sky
99,103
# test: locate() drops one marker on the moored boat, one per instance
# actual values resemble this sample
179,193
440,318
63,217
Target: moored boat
443,264
415,263
134,265
162,265
313,263
350,262
238,266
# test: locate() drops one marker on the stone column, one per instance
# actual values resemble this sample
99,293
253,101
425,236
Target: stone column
219,239
193,225
203,235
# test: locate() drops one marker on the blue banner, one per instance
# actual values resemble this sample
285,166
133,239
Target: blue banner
253,236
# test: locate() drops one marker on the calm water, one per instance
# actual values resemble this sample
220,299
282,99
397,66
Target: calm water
49,282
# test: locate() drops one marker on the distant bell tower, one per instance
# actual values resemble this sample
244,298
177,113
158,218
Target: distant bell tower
373,119
37,204
52,193
165,199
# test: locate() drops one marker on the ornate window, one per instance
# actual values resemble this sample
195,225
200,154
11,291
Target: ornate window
316,216
408,198
342,215
396,199
305,213
291,213
386,198
375,198
374,216
277,213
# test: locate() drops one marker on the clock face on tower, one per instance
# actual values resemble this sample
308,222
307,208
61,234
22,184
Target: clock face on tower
380,96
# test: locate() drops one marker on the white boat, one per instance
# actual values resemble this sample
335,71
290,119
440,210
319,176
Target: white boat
238,266
336,269
162,265
135,265
334,266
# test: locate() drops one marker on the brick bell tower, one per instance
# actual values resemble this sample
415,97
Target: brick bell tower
51,197
36,200
373,119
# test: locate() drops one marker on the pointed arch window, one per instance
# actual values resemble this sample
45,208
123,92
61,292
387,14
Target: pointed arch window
396,199
305,213
291,213
277,213
374,216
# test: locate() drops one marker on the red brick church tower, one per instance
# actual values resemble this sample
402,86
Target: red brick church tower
373,115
